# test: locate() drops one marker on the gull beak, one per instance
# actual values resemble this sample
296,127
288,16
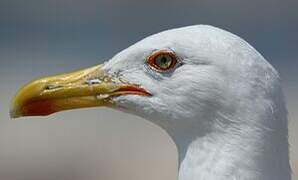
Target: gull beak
80,89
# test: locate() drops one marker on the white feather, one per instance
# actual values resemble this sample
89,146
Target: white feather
224,107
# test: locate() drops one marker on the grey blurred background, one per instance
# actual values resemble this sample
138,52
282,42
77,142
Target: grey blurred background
43,37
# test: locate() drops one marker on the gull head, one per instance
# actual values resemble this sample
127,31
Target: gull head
180,79
213,93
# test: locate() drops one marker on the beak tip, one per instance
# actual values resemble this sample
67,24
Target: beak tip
14,113
12,116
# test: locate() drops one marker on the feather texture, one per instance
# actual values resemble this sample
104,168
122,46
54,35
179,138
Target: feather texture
224,107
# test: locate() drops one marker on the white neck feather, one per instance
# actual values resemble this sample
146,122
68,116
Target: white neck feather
239,152
226,156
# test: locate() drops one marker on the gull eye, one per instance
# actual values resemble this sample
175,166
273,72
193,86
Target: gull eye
162,60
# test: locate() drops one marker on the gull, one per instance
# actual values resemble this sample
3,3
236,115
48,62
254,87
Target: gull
215,95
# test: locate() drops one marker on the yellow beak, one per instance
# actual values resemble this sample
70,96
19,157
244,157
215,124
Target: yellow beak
85,88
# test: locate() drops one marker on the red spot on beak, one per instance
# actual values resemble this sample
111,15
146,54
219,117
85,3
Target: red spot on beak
40,108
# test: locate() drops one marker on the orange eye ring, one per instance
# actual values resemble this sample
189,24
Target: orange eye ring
162,60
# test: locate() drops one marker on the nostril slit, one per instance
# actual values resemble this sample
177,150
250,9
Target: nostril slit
51,86
93,81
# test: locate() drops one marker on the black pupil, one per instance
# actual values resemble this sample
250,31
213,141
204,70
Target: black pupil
164,61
